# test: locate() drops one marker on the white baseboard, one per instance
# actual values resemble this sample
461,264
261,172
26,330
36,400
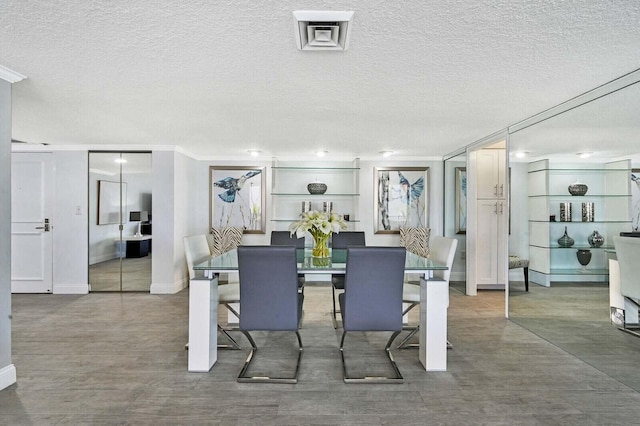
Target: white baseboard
71,289
169,288
7,376
490,287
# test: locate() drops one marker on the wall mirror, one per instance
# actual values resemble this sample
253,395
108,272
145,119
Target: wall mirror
120,230
455,213
573,312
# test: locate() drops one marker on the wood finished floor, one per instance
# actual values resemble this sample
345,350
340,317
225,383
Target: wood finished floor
136,275
119,359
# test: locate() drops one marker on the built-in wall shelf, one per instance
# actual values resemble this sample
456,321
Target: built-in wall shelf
299,194
307,169
608,193
289,190
298,218
577,247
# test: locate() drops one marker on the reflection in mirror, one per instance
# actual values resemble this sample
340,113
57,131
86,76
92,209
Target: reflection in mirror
120,198
568,304
455,215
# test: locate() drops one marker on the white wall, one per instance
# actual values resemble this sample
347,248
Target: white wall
365,200
175,208
7,369
70,231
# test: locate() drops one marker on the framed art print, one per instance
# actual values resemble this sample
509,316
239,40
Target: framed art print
461,200
401,198
237,197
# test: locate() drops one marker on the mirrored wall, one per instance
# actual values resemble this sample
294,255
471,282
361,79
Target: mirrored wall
568,298
455,214
120,221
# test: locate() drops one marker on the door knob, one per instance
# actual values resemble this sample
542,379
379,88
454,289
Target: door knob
46,226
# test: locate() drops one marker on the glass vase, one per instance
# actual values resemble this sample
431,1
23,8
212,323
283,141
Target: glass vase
321,245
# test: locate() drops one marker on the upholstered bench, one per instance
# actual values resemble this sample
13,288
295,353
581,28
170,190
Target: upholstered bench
517,262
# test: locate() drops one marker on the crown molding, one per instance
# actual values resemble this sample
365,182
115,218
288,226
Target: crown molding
10,76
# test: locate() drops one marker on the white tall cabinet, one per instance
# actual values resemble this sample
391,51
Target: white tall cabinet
491,213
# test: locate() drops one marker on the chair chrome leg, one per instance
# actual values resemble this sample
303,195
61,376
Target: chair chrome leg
233,344
397,379
630,328
244,378
334,312
404,344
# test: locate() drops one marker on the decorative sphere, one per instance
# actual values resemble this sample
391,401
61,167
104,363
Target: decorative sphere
595,239
317,188
578,188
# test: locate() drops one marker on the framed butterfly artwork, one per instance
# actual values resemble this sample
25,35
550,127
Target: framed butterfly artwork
401,198
237,198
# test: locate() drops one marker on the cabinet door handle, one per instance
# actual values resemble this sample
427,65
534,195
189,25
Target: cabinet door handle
502,190
501,208
495,208
495,189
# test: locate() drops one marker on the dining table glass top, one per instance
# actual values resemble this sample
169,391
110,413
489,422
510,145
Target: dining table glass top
308,264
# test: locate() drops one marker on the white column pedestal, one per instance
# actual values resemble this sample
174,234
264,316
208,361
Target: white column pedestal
203,324
434,303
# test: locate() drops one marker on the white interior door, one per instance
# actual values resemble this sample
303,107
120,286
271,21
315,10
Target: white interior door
31,229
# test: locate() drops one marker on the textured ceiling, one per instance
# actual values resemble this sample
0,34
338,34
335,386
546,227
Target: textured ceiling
220,77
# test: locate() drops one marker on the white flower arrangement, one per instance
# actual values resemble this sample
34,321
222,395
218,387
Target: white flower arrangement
320,225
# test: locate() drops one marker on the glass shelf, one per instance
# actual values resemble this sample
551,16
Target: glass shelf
346,169
579,197
297,219
570,171
580,222
575,247
313,195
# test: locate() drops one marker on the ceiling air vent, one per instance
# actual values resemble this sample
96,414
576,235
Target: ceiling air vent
322,30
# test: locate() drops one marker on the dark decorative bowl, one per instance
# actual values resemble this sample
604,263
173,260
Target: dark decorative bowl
317,188
578,188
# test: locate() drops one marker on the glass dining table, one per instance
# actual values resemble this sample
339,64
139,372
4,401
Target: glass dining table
203,304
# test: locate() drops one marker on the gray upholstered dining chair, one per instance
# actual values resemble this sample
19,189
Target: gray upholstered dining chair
627,249
442,250
196,250
284,238
342,240
270,299
372,300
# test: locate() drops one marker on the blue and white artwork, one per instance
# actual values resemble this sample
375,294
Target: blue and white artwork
401,199
237,198
461,200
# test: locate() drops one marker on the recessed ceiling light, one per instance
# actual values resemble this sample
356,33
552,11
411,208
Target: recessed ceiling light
521,154
254,152
321,153
584,154
120,160
386,153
